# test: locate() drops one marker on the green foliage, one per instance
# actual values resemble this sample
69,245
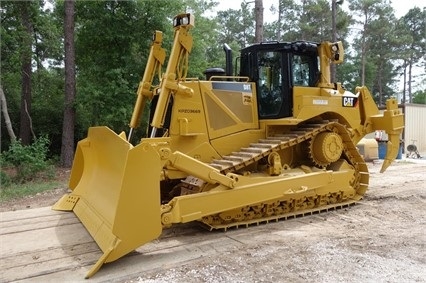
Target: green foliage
305,20
14,191
47,107
419,97
5,180
315,20
349,73
236,26
112,45
207,51
47,80
413,51
29,161
12,36
415,23
113,40
376,45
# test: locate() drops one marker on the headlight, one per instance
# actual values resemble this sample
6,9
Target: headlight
183,20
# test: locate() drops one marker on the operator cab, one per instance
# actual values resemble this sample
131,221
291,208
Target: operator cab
277,67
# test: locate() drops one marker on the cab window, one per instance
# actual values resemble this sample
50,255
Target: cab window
302,75
270,83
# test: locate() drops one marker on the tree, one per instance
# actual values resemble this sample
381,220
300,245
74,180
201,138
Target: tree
5,113
237,26
67,147
377,41
415,25
306,20
40,48
231,29
207,50
258,12
112,46
365,11
26,71
334,8
287,20
402,53
315,20
10,74
382,50
419,97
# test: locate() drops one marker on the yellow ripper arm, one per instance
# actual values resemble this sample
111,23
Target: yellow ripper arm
391,121
156,59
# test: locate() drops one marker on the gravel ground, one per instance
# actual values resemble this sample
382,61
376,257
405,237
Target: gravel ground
381,239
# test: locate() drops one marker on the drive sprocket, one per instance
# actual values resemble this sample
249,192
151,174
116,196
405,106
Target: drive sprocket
325,148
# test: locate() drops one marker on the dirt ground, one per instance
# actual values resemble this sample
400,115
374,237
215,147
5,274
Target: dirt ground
381,239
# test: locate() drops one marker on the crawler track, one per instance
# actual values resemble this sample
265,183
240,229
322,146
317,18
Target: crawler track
295,205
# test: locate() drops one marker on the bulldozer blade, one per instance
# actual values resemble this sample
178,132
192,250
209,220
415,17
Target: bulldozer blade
116,193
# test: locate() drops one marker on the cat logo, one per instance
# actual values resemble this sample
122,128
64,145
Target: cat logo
349,101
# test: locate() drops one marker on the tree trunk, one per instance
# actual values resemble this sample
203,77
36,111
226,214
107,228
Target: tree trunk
6,115
364,47
258,10
67,148
334,4
25,116
410,77
404,90
280,11
380,83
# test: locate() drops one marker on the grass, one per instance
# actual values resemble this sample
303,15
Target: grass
15,191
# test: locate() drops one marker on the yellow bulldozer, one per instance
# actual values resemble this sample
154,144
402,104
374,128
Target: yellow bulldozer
276,140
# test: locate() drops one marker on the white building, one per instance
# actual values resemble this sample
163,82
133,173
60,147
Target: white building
415,127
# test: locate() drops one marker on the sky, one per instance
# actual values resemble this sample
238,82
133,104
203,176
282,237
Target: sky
401,7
